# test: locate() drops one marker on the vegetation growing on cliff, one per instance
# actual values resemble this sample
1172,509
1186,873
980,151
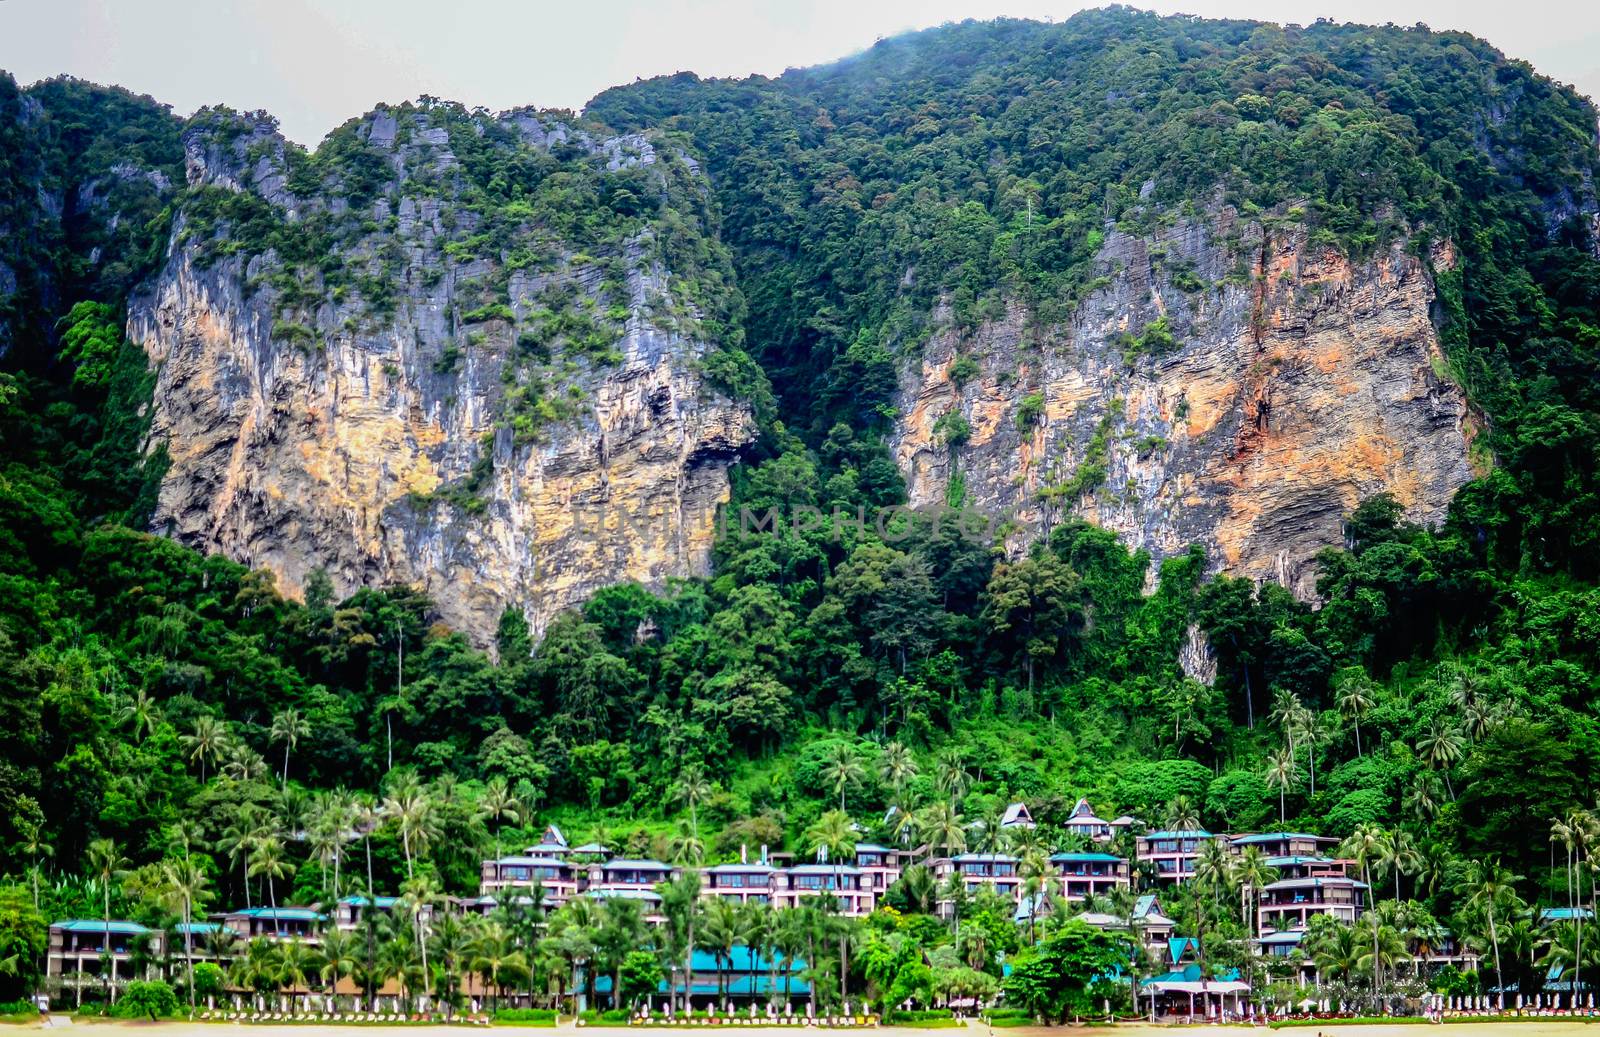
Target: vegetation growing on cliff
1444,691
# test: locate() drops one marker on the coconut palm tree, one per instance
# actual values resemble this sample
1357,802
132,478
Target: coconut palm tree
267,859
1182,815
206,742
1039,876
1399,857
1422,798
897,768
842,768
1366,846
692,790
288,727
1282,774
409,809
1490,890
497,806
340,956
681,906
951,775
140,713
187,886
107,863
1440,748
498,960
941,827
1353,696
418,894
621,931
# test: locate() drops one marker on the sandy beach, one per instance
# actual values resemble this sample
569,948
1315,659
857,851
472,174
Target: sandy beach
1521,1028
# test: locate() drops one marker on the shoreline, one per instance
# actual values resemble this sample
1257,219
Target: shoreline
1524,1027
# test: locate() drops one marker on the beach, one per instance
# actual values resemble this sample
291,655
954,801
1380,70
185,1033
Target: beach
1521,1027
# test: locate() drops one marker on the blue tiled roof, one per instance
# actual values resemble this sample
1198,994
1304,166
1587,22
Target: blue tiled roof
382,903
95,925
1273,837
1189,833
202,927
1282,938
1085,857
626,864
824,869
982,857
281,914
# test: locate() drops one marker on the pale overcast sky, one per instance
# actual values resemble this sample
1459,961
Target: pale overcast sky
316,63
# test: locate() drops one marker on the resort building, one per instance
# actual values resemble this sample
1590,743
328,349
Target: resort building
1153,927
79,946
979,871
844,882
1172,853
276,923
1289,904
1085,875
348,912
742,883
881,866
1083,822
1017,816
1281,844
626,876
558,877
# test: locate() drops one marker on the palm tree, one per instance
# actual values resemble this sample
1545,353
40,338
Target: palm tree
941,827
680,904
1282,774
692,790
1182,815
719,935
417,896
106,861
1366,846
139,711
1422,798
1038,874
1354,698
187,885
34,846
897,767
408,808
340,954
833,836
1400,857
207,742
952,777
1490,889
1336,950
498,961
621,931
1440,748
267,859
842,768
497,806
288,727
297,963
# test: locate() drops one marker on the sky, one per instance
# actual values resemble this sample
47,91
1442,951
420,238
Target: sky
317,63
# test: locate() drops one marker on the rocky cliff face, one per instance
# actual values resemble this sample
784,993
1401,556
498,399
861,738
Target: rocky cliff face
447,351
1224,383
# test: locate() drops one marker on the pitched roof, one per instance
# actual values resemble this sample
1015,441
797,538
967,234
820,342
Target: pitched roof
633,864
1084,857
592,848
995,858
1016,815
1181,833
552,834
1317,882
96,925
534,860
1083,815
280,914
1257,838
823,869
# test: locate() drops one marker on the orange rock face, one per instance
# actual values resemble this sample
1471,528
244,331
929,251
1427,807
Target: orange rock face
1297,383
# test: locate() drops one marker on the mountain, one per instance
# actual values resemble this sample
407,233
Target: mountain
1265,358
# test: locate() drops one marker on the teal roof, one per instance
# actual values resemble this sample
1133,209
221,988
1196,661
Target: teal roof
1109,858
281,914
1188,833
95,925
1190,974
1282,938
1274,837
202,927
382,903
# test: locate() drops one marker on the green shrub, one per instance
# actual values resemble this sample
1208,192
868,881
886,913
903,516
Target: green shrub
152,998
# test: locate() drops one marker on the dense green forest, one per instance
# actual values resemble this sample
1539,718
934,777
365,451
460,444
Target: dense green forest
1439,697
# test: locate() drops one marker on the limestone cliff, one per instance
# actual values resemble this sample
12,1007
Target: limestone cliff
420,356
1224,383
